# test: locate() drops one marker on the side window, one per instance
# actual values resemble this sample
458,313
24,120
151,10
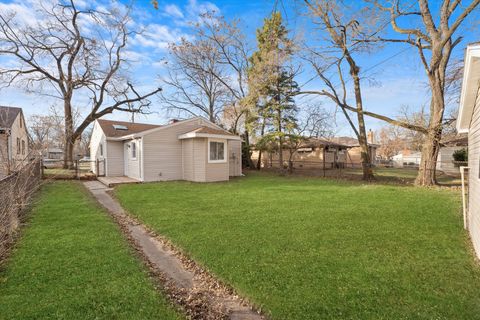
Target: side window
18,145
134,149
101,149
23,147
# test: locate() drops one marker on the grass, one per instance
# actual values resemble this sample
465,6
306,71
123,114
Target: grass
320,249
73,263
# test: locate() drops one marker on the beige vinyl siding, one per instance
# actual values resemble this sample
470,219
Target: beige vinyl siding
199,159
235,158
216,171
115,159
187,149
474,179
163,151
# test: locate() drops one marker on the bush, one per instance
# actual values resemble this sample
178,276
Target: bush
460,155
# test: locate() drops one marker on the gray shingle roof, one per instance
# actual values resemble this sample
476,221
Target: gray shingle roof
8,116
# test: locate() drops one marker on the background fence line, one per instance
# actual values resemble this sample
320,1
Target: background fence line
16,191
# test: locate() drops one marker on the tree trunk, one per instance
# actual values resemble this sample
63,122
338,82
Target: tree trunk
431,146
280,139
259,160
248,153
69,141
362,132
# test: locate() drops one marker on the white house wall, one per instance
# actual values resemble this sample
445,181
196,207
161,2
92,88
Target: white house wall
474,179
98,137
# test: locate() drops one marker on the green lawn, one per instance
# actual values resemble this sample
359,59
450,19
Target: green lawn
73,263
320,249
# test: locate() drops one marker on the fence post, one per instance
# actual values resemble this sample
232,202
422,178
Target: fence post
76,169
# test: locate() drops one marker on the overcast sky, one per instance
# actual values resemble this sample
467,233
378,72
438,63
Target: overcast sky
395,76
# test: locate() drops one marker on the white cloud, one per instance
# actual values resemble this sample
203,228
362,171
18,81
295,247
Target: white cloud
173,10
158,36
196,8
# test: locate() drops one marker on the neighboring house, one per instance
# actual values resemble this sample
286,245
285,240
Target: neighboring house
54,153
407,159
339,152
314,153
445,160
14,142
194,149
468,121
354,155
411,159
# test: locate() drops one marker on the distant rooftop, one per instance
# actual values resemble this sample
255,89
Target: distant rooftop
8,116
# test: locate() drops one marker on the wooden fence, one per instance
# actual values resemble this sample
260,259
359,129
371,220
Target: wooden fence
16,192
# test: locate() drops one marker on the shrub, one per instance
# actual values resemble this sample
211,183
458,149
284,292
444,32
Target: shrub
460,155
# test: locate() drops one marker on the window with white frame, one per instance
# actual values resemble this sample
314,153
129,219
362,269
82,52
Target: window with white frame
133,148
217,151
101,150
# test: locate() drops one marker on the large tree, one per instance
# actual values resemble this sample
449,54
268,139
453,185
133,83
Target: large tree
272,86
434,35
73,55
339,53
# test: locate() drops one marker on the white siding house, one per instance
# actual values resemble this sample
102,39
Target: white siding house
468,121
194,149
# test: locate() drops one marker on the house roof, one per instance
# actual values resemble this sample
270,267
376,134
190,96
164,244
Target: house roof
8,116
132,127
318,142
208,132
470,87
349,141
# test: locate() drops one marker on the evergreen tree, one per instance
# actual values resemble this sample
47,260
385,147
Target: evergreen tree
271,83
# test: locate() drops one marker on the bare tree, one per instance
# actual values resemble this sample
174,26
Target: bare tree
434,37
341,31
72,54
313,122
193,85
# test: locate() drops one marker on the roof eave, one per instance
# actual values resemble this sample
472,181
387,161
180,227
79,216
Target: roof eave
191,135
470,83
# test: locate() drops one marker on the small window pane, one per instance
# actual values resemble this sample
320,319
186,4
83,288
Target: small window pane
134,150
217,151
220,153
101,149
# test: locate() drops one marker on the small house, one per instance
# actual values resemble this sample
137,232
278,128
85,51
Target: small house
14,142
194,149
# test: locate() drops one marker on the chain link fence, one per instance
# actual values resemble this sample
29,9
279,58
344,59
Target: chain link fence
16,191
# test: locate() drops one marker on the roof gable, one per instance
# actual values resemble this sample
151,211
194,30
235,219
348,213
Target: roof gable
8,116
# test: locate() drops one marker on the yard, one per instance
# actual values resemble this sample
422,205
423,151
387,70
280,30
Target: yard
308,248
73,263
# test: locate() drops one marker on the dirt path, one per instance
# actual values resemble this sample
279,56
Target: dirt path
198,292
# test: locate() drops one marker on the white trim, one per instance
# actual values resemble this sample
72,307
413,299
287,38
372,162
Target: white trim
470,86
190,135
225,152
142,178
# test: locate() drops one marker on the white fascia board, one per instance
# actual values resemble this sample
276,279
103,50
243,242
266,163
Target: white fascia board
191,135
470,84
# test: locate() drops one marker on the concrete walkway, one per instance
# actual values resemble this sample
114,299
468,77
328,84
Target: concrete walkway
201,295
